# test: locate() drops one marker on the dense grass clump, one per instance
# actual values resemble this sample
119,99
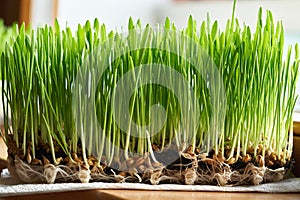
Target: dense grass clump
67,97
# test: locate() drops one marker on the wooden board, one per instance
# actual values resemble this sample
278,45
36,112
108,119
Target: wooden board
296,155
3,149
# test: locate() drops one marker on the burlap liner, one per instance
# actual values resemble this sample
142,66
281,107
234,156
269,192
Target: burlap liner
11,187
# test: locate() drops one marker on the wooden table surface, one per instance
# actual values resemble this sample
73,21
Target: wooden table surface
155,195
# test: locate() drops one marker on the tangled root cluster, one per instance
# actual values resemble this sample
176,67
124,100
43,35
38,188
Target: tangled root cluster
188,169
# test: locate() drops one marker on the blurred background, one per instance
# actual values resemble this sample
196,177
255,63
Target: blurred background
115,13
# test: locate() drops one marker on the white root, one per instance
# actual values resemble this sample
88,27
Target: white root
190,177
155,177
118,178
84,174
25,173
50,172
222,179
257,179
138,177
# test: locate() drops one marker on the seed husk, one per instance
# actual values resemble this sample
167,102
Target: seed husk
59,160
28,158
219,158
124,174
260,161
273,156
78,160
74,156
90,162
155,148
247,158
156,164
130,161
36,161
45,160
270,163
139,161
66,159
231,161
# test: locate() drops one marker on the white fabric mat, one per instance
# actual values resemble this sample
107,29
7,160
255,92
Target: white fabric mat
9,187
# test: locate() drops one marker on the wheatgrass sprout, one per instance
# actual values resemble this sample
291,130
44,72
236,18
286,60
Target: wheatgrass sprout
195,106
6,34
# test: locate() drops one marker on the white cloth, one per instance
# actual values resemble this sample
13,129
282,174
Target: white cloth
9,187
